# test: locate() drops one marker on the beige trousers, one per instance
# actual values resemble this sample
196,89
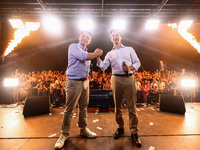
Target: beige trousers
125,86
76,92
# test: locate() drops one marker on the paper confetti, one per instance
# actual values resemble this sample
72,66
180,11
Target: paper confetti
151,123
97,120
151,148
99,128
52,135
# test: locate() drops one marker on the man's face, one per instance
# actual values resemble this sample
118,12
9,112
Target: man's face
85,39
116,37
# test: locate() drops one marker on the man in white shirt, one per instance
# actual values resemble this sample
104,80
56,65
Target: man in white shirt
124,62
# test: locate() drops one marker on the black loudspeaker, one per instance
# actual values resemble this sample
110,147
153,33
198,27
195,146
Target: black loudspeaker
174,104
36,106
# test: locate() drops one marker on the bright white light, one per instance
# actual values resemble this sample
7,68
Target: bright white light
51,24
32,26
86,25
16,23
188,83
152,24
11,82
185,24
119,24
172,25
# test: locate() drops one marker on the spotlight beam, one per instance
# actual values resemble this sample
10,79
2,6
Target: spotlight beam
152,24
86,24
52,24
119,24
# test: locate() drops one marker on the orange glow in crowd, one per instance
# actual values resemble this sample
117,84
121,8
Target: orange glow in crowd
187,36
20,33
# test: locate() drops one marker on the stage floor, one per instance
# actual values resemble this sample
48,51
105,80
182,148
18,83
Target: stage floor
158,130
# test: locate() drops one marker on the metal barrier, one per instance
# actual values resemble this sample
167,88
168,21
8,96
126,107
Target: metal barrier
57,96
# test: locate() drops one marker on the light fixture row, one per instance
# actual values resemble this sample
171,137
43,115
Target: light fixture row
54,25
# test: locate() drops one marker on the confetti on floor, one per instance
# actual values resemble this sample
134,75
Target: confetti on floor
52,135
99,128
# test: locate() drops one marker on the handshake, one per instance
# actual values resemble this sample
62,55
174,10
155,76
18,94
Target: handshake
99,52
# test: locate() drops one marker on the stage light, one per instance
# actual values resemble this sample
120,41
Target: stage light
51,24
16,23
185,24
32,26
152,24
190,83
86,25
11,82
119,24
172,25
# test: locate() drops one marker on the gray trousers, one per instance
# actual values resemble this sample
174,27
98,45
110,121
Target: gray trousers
76,92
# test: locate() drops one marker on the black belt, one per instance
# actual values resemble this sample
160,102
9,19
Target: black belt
81,79
123,75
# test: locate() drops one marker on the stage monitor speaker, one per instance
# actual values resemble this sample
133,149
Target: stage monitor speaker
36,106
174,104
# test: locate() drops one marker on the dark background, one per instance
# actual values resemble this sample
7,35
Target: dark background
43,51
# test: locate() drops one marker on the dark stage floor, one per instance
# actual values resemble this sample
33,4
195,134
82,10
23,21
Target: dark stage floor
158,130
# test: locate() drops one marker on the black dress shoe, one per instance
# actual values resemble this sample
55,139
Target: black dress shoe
118,133
136,139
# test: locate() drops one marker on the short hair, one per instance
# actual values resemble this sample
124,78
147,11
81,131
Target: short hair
87,32
115,30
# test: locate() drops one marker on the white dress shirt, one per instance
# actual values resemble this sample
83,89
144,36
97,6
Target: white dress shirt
116,57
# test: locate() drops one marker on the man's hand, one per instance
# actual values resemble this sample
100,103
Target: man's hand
126,68
99,52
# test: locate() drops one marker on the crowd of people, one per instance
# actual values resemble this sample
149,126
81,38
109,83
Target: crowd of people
149,84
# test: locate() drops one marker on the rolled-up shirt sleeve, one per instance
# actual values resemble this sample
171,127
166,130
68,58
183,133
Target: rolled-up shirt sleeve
77,52
135,60
100,65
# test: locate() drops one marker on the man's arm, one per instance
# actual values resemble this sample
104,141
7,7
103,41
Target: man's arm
97,53
135,60
103,65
